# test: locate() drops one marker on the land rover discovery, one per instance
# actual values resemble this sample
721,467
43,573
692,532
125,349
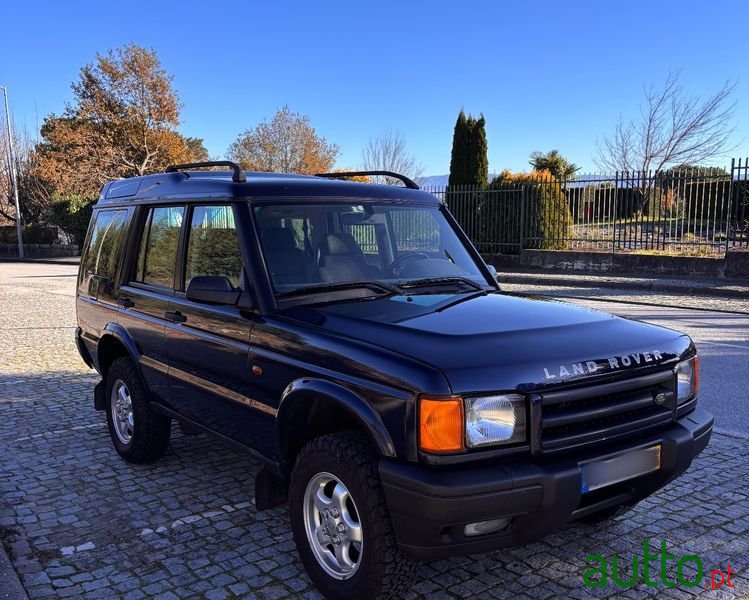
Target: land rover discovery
351,337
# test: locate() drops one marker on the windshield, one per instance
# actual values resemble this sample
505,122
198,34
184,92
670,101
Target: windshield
324,246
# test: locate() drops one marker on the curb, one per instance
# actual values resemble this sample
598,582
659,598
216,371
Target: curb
738,292
728,433
10,585
619,300
67,260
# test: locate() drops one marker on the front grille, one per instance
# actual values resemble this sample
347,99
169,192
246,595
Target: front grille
579,416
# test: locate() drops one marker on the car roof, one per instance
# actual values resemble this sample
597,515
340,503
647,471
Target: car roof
202,185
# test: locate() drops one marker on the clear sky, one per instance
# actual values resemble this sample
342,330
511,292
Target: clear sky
545,74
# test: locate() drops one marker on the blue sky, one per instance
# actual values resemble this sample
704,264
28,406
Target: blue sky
545,74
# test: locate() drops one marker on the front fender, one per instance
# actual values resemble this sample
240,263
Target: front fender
308,389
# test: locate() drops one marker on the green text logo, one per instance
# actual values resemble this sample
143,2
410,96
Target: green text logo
654,570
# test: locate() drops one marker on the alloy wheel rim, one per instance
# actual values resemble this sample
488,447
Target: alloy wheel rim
122,412
333,526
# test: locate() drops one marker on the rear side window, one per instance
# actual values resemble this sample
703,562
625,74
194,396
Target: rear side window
103,250
212,245
157,257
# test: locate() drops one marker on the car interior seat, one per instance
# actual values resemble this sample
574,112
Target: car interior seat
340,258
287,263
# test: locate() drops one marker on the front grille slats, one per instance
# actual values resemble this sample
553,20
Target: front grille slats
592,414
606,408
664,378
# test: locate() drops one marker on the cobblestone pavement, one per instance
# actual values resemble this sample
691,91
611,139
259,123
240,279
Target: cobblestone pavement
79,522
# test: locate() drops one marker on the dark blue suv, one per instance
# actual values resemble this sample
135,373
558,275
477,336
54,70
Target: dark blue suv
351,337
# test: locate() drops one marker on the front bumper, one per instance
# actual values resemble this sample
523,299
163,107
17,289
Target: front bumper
430,507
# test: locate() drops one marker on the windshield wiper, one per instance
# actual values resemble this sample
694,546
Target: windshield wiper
377,286
431,281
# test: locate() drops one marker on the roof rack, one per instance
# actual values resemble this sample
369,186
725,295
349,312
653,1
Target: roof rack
237,177
409,183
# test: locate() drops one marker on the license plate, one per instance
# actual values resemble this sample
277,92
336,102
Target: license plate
600,473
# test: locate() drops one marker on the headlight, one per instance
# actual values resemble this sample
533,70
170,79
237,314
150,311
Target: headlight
687,379
494,420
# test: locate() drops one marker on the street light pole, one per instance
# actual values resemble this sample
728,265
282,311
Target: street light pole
13,175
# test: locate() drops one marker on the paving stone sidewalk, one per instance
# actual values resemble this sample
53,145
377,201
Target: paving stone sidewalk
78,522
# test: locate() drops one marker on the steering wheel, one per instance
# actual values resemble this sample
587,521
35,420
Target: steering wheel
399,263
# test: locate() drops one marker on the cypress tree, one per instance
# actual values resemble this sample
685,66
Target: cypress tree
460,152
469,164
479,165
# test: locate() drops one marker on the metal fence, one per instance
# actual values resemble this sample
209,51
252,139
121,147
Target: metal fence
688,211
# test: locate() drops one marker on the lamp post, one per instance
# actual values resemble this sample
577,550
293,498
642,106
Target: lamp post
13,175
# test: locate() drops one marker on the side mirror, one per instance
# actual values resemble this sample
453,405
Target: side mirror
212,289
492,270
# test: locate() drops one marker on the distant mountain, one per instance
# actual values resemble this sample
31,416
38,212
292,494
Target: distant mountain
440,180
432,181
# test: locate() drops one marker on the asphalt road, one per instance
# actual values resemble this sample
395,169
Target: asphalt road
722,340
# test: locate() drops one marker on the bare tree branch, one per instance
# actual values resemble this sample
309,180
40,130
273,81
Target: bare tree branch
33,196
388,152
673,129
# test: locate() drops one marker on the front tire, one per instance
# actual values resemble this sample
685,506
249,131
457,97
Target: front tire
138,434
341,525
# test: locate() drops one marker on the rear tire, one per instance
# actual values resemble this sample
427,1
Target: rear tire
139,434
338,472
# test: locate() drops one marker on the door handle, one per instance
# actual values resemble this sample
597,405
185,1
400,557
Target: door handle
175,317
125,302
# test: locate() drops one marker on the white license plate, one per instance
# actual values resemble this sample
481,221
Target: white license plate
600,473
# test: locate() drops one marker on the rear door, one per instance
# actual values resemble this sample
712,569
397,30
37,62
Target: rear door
144,298
208,345
99,271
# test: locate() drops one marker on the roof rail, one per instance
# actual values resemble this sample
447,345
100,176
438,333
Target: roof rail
410,183
237,177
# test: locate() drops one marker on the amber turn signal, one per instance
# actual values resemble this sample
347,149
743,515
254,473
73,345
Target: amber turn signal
441,424
696,375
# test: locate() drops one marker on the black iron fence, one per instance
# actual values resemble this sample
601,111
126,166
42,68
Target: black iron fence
688,211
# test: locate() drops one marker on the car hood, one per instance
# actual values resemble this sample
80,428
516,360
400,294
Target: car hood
497,342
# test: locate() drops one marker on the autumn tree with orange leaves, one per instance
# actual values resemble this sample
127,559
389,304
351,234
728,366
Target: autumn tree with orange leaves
122,123
285,144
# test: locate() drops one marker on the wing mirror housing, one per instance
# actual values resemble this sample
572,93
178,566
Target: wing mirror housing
212,289
493,272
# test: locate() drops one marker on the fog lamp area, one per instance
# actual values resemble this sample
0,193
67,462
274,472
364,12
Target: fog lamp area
486,527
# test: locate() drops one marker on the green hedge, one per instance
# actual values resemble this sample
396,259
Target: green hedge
35,234
72,214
